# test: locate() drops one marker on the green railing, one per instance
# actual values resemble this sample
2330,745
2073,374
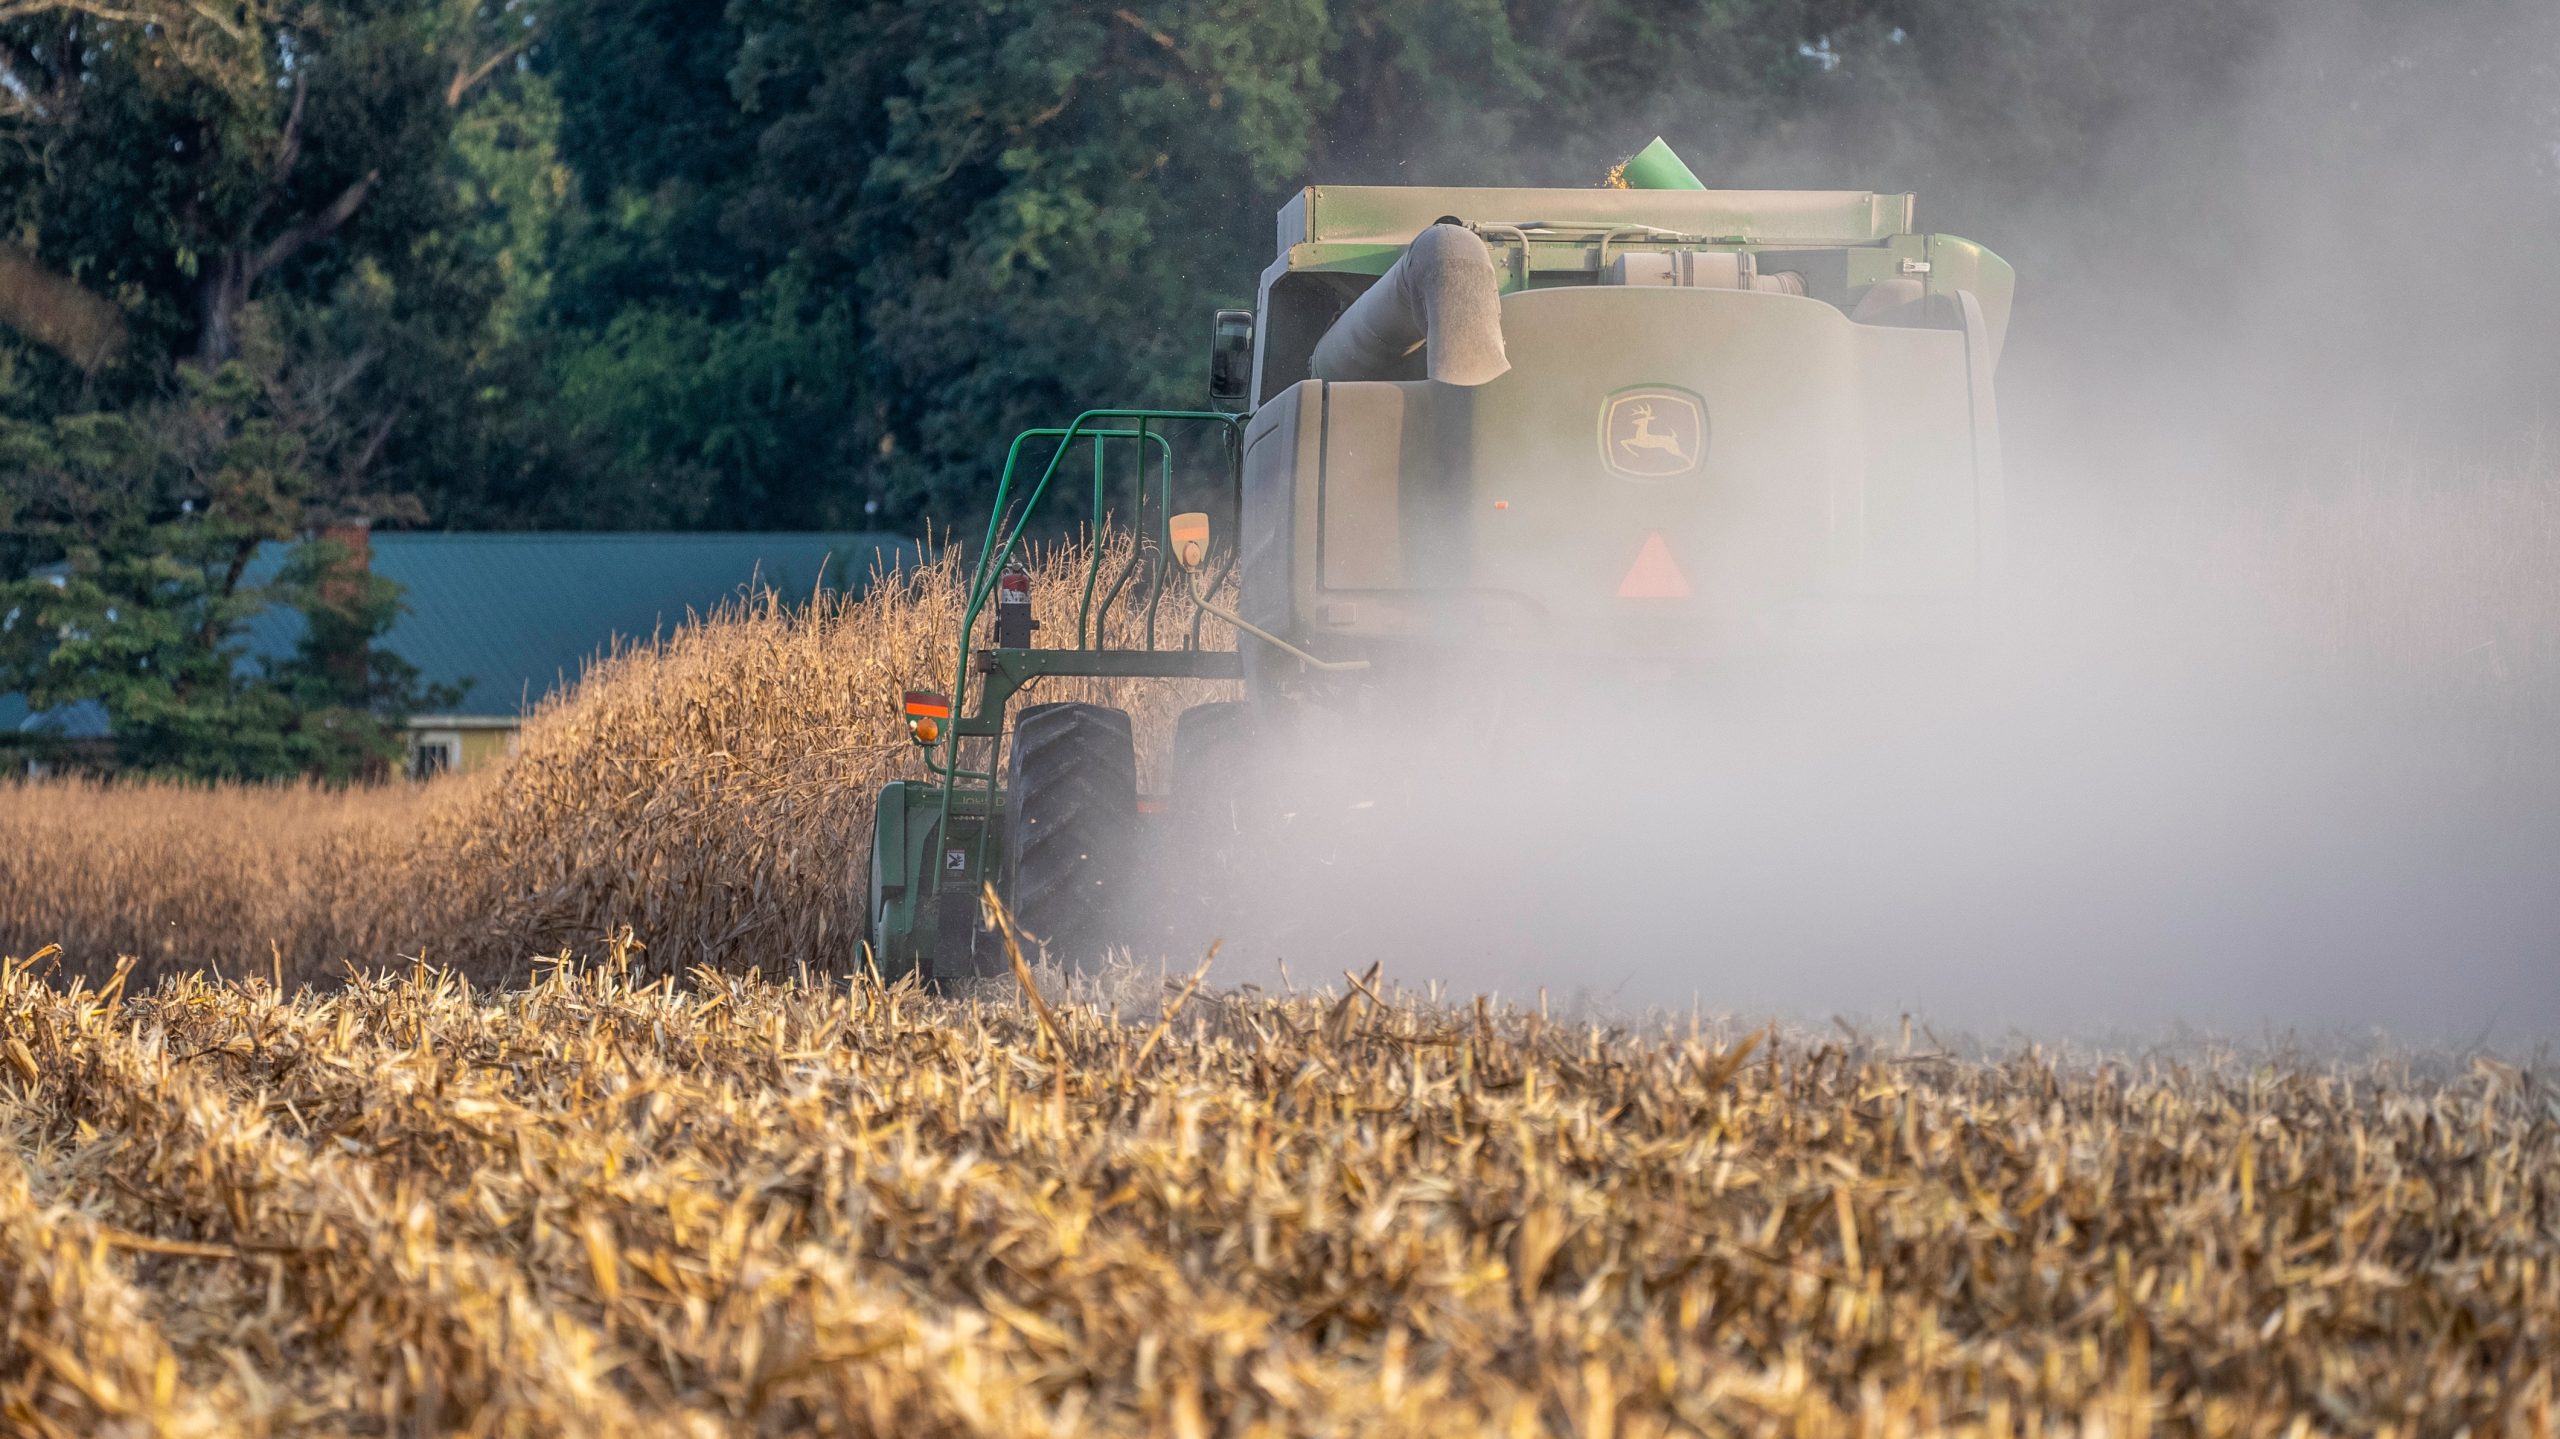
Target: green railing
1012,514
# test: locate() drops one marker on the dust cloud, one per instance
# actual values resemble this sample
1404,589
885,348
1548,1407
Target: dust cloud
2263,729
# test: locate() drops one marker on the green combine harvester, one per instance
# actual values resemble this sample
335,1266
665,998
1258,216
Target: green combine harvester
1644,424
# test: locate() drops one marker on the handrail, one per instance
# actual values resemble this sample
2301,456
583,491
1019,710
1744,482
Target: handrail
1066,440
993,557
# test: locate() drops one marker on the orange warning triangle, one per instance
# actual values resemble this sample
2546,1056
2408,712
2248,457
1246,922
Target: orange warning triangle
1654,575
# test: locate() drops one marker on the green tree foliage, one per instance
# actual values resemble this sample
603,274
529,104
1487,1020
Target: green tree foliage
801,262
258,310
158,516
195,167
1018,200
833,254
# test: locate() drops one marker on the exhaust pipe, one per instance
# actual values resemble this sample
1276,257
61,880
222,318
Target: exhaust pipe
1440,295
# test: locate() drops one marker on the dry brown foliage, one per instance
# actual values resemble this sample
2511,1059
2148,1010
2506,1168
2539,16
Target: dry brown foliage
712,789
736,1206
182,877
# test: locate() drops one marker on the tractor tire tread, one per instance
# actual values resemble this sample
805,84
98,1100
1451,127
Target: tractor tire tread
1071,784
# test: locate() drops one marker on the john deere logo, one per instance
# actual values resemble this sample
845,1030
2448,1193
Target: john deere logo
1654,433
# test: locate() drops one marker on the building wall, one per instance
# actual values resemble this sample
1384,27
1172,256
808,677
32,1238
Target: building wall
482,747
445,747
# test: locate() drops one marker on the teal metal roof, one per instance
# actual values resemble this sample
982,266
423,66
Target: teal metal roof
519,615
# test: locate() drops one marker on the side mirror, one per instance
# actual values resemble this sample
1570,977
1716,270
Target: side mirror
1189,535
1231,361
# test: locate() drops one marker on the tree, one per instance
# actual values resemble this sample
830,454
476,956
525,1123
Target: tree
292,155
860,245
286,120
160,517
808,262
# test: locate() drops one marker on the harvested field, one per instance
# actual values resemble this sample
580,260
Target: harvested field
725,1182
736,1206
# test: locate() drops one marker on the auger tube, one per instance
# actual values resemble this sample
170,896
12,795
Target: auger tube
1440,294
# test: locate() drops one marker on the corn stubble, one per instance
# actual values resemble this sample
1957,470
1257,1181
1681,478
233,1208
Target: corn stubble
712,1185
730,1205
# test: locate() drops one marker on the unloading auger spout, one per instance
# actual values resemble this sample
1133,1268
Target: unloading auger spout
1441,295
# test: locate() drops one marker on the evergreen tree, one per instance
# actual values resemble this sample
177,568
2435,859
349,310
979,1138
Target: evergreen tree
159,517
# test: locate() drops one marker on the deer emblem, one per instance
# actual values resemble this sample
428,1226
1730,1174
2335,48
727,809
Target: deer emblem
1653,433
1646,437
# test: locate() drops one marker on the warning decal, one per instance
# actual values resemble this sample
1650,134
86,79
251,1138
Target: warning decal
1654,575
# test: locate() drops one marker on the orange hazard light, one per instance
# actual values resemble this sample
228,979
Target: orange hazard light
1654,575
925,713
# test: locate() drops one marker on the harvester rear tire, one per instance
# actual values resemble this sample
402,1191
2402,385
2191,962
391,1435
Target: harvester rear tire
1070,825
1213,756
1222,819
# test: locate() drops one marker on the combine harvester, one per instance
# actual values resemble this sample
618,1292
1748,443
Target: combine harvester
1629,424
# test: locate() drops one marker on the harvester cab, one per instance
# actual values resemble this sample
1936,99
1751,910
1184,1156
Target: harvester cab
1648,420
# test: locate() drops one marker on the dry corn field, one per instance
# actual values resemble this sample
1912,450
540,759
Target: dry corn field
713,792
366,1113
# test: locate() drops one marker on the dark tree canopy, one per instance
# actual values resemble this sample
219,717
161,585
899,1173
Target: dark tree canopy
785,263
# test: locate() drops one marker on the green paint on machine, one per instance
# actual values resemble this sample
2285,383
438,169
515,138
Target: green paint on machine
1704,408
